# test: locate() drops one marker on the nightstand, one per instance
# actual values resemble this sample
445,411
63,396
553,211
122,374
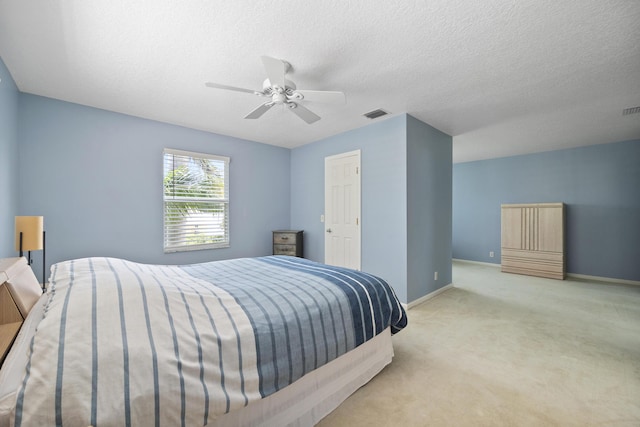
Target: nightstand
287,242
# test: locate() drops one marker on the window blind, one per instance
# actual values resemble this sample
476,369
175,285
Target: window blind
196,201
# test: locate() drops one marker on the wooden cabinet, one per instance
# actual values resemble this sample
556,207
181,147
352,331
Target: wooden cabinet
287,242
533,239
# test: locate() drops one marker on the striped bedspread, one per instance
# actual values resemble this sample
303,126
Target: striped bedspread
131,344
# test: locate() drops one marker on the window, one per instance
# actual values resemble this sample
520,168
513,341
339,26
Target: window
196,201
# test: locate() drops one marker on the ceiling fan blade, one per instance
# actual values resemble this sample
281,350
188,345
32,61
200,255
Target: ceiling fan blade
275,70
237,89
304,113
258,112
328,97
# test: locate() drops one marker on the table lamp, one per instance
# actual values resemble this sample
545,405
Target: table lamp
30,236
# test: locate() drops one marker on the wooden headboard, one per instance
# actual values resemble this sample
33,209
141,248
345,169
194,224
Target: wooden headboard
19,291
21,282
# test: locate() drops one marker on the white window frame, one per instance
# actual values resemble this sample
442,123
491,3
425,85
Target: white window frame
182,247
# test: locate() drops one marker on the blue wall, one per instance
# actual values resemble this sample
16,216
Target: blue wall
600,185
429,175
383,198
8,161
96,176
406,201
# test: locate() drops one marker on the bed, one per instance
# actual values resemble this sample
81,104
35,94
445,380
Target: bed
273,340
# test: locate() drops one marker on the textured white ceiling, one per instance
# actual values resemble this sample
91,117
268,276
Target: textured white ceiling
502,77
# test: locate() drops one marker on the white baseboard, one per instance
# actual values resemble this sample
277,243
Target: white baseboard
427,297
573,275
488,264
604,279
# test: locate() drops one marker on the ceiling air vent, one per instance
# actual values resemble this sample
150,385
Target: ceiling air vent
375,114
632,110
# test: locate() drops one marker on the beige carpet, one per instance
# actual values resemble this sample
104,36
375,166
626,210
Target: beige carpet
501,349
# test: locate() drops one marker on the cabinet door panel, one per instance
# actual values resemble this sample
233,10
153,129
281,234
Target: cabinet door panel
512,228
550,231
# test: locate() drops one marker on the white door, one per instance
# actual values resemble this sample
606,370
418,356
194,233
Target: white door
342,210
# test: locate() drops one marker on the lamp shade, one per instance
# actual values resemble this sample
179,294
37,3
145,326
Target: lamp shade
31,228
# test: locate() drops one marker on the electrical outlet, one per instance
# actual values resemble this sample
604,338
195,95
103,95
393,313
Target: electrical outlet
321,218
491,254
435,276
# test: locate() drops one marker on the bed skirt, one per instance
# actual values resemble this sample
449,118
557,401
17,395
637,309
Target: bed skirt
305,402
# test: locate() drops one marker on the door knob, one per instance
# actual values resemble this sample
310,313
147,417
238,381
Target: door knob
328,230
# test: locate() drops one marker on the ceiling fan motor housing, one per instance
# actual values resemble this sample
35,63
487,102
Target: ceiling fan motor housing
280,95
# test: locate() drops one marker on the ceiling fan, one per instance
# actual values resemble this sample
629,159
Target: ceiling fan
282,91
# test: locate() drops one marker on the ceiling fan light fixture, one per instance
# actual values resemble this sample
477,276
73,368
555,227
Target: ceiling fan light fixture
283,91
375,114
632,110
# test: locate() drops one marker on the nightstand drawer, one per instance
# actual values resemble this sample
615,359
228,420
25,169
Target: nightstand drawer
284,250
284,238
287,242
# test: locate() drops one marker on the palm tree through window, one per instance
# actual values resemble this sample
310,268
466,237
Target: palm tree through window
196,201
